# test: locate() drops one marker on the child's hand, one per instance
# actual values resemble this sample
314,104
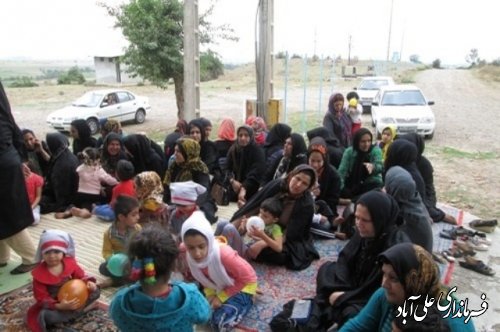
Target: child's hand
215,303
256,233
91,286
68,305
242,228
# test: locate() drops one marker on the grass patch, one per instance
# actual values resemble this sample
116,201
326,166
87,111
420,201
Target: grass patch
487,73
450,153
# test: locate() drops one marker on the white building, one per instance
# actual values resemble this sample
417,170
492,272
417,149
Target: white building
109,70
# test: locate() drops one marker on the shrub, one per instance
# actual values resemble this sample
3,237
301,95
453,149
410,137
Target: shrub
436,64
496,62
23,82
280,55
74,75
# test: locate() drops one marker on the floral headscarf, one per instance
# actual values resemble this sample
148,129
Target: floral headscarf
190,150
149,190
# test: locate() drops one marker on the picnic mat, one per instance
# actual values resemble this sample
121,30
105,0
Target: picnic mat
13,308
9,282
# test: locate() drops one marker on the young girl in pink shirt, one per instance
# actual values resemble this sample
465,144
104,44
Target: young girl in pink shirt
229,282
90,176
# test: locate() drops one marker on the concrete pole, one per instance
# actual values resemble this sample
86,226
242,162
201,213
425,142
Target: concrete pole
191,60
265,57
390,30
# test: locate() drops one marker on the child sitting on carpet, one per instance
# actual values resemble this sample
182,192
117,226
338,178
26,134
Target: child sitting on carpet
229,282
125,173
270,237
117,236
56,254
149,190
154,304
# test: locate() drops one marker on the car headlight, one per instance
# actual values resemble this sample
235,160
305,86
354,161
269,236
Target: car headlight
387,120
426,119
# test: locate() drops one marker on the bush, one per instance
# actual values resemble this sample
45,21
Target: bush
210,66
74,75
280,55
496,62
23,82
436,64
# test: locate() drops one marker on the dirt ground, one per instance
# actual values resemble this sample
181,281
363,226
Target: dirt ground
463,151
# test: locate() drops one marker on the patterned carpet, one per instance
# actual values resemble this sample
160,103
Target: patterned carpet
13,308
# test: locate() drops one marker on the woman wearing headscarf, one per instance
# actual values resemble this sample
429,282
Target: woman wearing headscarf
61,181
408,272
188,166
208,150
337,121
260,129
335,151
181,129
426,170
294,154
245,162
37,152
143,154
327,190
295,219
15,209
225,137
275,139
361,166
112,152
344,287
404,153
82,137
388,136
149,191
413,216
108,126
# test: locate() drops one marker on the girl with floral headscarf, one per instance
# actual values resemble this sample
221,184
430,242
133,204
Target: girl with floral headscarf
149,191
409,271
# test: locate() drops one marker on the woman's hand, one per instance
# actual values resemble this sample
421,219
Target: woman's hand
369,167
236,186
241,197
334,296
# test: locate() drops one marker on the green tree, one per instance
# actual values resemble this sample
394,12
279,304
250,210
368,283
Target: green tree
210,66
473,57
73,75
154,30
436,64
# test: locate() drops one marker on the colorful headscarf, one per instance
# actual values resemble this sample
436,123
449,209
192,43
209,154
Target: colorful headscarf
190,150
227,130
149,190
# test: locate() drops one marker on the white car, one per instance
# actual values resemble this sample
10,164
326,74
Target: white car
94,106
405,107
369,87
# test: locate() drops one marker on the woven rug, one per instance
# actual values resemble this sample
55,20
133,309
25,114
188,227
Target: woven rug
13,308
279,285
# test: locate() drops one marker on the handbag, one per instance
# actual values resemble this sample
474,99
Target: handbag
220,194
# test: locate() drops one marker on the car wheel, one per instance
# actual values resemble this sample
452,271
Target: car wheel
93,125
430,136
140,116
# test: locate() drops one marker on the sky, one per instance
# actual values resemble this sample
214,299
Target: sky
444,29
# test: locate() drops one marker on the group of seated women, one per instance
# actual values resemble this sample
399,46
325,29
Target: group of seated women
309,180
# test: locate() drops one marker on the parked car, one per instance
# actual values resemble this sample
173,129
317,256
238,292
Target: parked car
405,107
96,105
369,87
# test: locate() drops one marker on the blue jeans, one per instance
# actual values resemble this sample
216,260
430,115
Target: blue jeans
231,312
104,212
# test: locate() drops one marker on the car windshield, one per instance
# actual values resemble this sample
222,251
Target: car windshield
402,98
90,99
372,84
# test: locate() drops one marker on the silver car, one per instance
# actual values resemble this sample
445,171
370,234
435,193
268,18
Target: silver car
93,106
369,87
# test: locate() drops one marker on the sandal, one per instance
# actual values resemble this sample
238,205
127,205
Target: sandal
465,248
487,226
438,259
448,256
477,265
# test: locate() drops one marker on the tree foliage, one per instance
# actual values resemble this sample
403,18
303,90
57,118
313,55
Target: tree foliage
473,57
155,32
436,64
73,75
415,58
210,66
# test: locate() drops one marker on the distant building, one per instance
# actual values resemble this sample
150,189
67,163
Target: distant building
109,70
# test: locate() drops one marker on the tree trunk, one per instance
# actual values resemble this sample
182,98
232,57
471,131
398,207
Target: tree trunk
179,95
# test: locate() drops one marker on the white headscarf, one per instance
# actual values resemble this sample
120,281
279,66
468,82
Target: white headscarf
216,271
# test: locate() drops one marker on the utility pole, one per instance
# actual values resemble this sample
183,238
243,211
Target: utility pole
349,53
390,29
264,56
191,87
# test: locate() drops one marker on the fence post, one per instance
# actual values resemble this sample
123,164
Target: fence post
286,87
320,85
303,124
